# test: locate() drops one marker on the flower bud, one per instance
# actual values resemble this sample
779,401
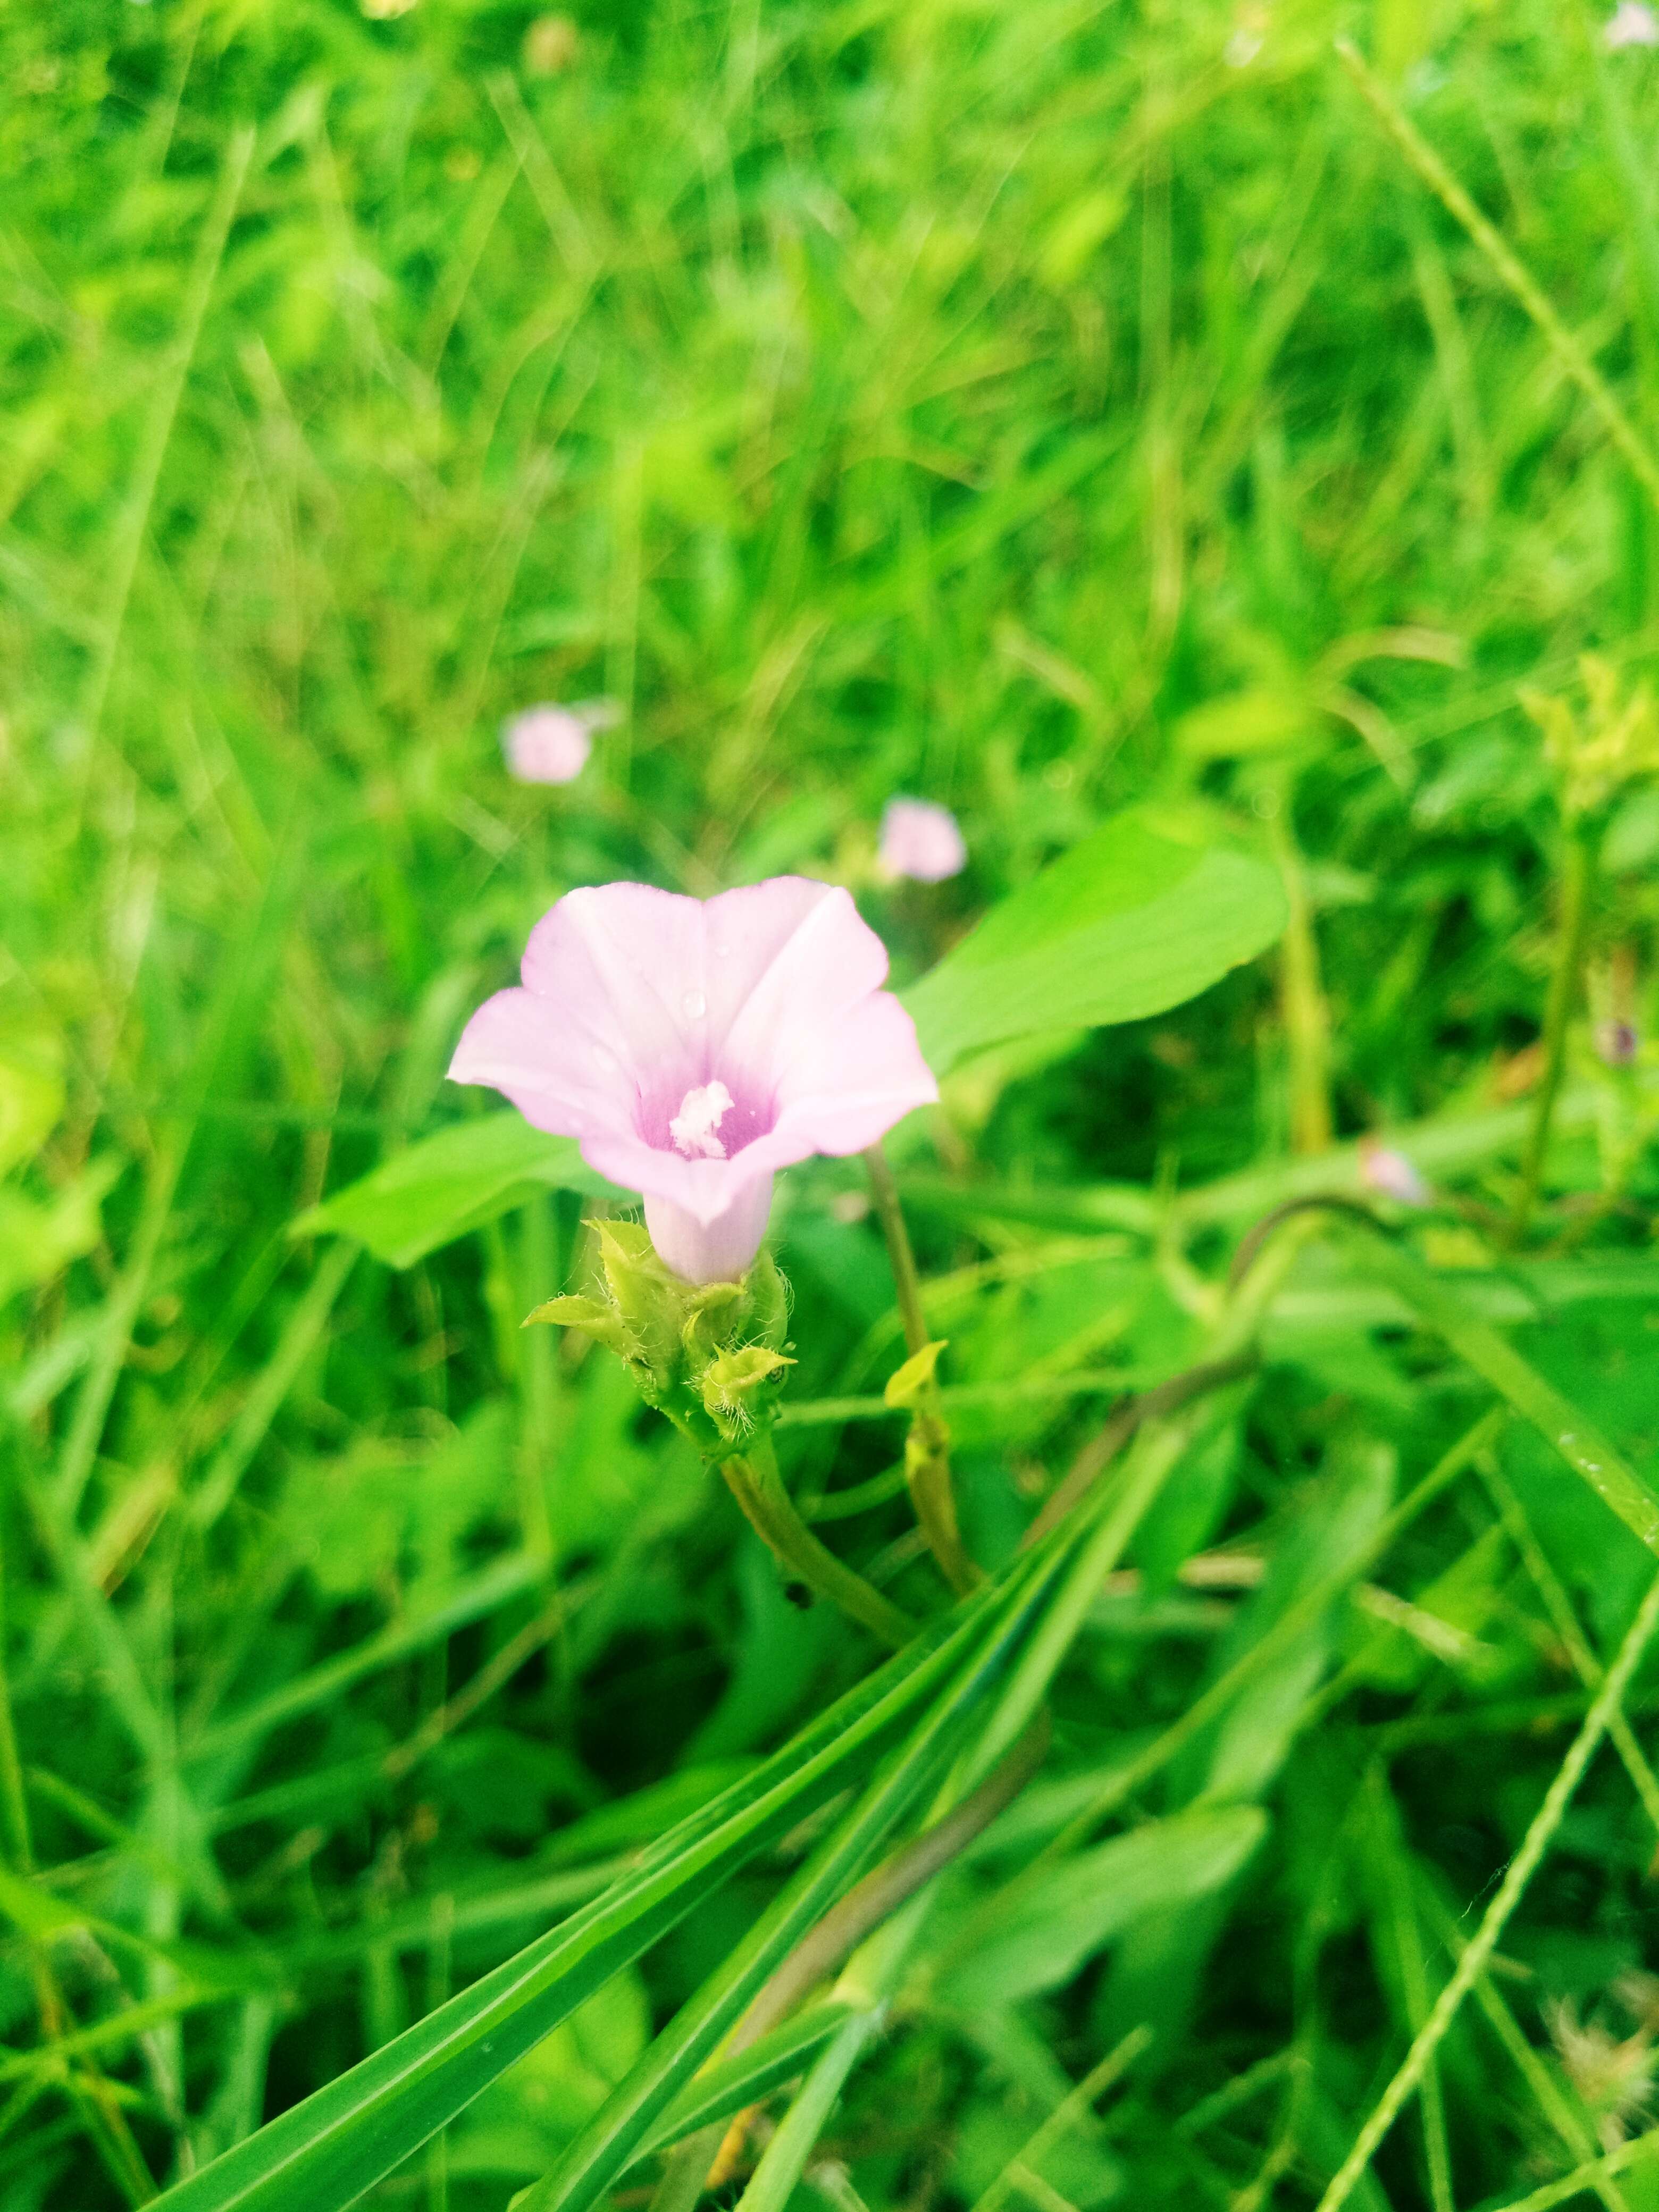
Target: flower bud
708,1355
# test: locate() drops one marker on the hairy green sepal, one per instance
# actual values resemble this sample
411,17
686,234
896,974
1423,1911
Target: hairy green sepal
711,1356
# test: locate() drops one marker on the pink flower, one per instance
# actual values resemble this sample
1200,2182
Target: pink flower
550,744
1631,24
694,1047
1618,1043
922,841
1388,1174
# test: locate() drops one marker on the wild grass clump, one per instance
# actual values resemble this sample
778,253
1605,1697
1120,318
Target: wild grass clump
1047,411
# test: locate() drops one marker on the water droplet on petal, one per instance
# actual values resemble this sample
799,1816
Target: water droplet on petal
695,1005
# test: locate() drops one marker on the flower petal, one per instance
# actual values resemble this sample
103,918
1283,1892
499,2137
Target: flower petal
548,1069
822,960
635,1001
620,966
717,1251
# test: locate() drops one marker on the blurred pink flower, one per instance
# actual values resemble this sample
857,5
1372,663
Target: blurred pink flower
1631,24
1618,1043
694,1047
550,744
922,841
1388,1174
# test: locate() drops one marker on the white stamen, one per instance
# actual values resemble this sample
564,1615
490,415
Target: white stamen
701,1113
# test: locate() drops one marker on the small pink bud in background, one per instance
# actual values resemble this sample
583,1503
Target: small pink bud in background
693,1047
1617,1042
921,840
551,745
1631,24
1388,1174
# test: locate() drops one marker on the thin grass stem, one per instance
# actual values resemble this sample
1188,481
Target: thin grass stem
1519,1873
927,1448
1510,270
1577,880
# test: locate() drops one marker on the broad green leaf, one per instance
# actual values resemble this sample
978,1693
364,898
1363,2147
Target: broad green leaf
1039,1935
439,1188
1138,917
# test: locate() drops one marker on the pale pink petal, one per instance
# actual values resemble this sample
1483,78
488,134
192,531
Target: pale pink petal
693,1048
555,1073
717,1251
843,1092
769,941
1631,24
828,962
922,841
623,965
1389,1174
547,745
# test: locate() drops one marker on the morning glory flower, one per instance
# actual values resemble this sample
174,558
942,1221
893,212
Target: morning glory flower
1631,24
922,841
1389,1174
694,1047
551,745
1618,1043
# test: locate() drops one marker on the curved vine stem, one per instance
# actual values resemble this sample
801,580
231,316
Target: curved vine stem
755,1482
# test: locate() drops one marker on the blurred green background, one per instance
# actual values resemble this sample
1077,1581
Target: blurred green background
1037,408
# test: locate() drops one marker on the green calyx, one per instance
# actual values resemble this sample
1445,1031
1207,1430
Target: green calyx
708,1355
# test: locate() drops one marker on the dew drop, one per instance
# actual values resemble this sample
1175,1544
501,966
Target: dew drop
695,1005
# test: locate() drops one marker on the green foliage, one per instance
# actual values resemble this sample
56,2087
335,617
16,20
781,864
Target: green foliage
1129,922
1009,1950
412,1769
461,1179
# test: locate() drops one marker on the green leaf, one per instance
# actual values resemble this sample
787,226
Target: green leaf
1138,917
907,1386
437,1189
1038,1935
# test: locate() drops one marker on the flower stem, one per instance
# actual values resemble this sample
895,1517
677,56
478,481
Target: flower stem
927,1448
758,1487
1577,877
906,1280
